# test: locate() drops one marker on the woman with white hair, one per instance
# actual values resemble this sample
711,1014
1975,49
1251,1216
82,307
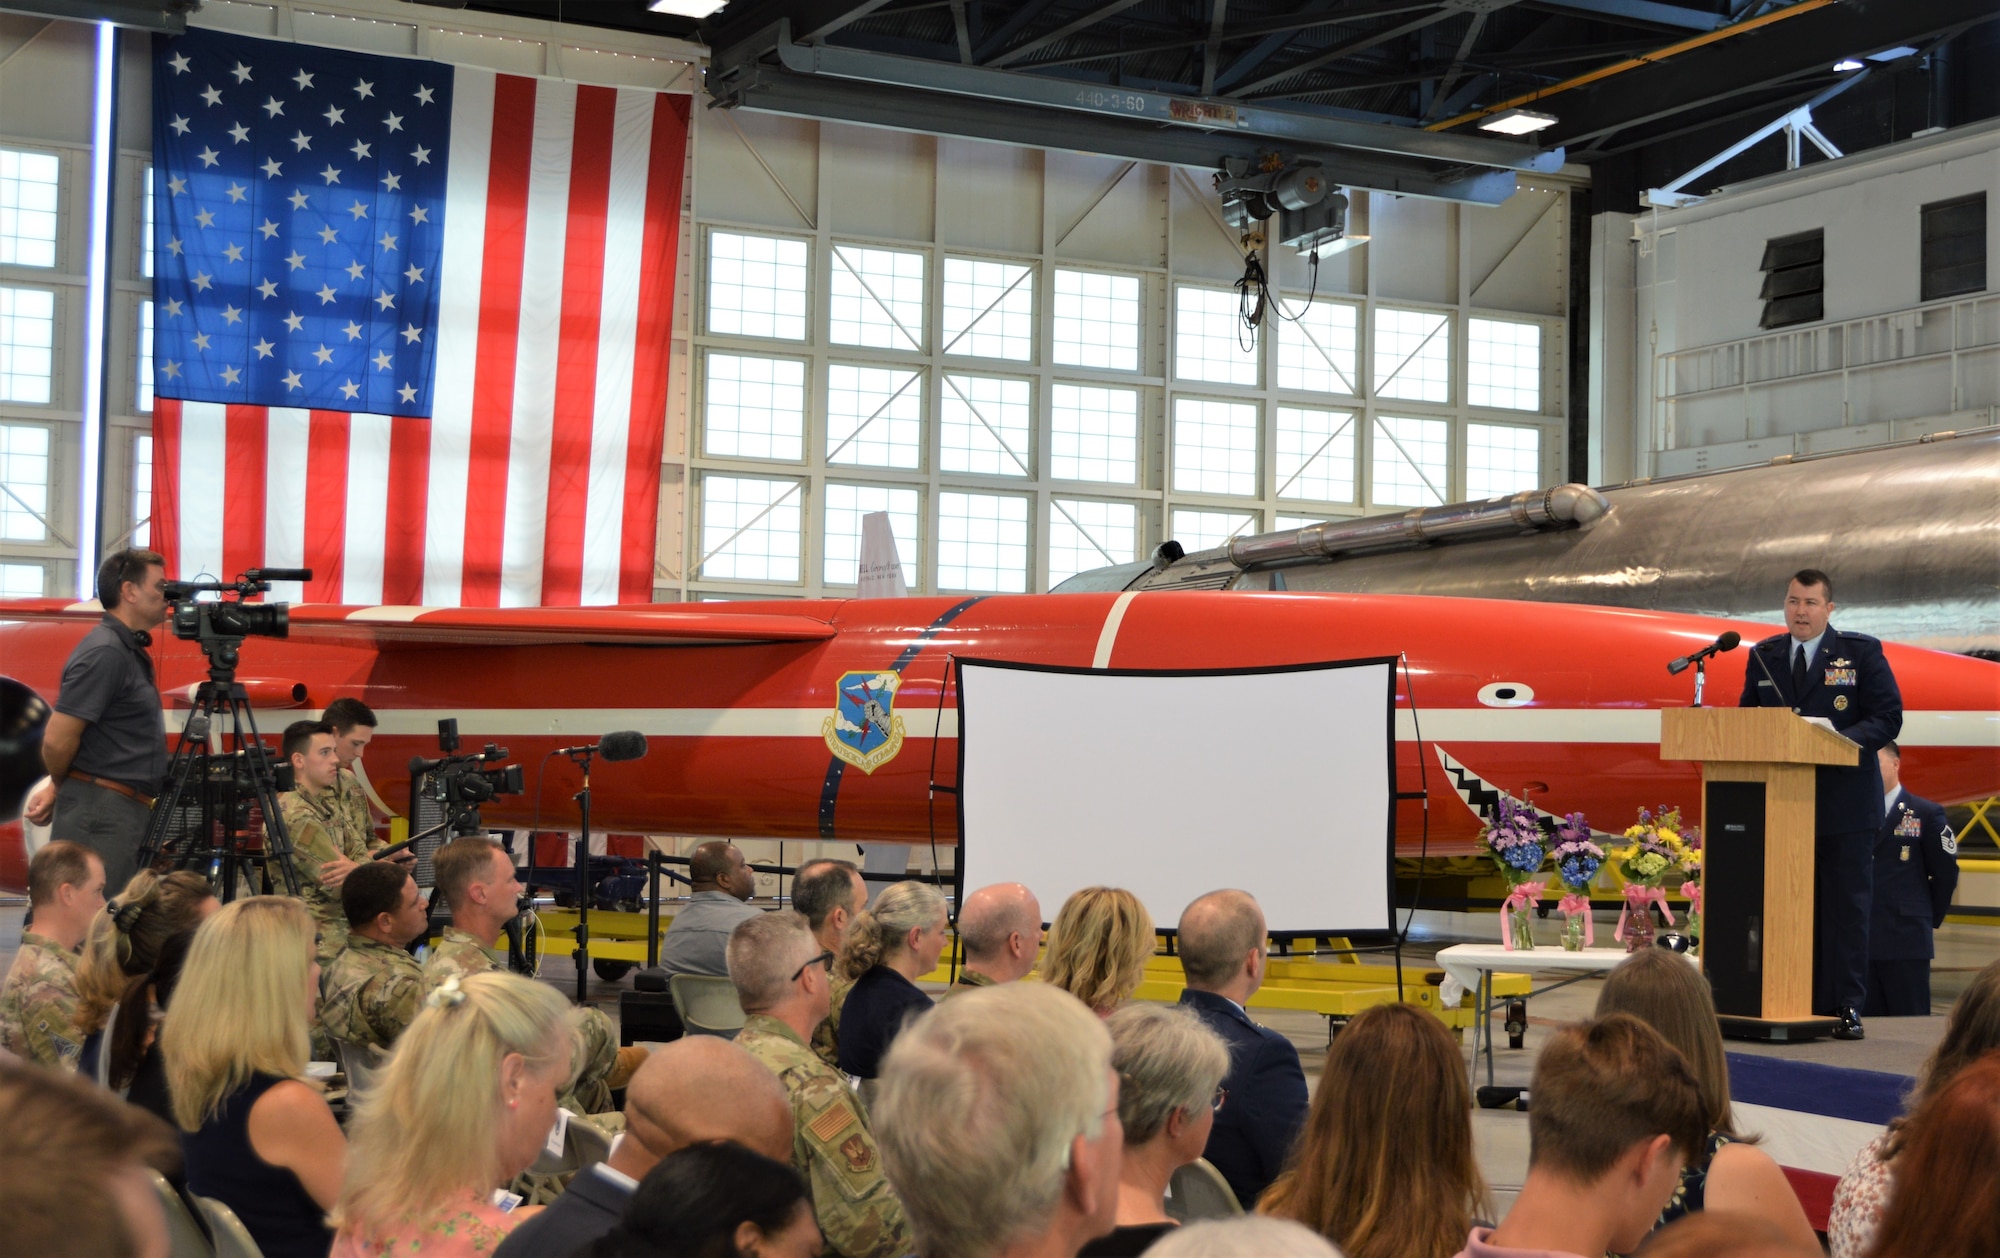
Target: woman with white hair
464,1105
886,949
1170,1068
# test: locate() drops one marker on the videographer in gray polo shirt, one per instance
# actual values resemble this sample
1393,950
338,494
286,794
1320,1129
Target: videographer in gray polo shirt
105,746
697,942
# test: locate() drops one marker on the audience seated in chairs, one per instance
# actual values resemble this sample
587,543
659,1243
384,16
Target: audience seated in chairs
78,1170
886,950
1222,947
256,1136
1098,947
1864,1192
1951,1146
1617,1112
1001,929
1170,1070
374,987
829,894
1253,1236
695,1091
38,998
1715,1233
1666,993
1384,1167
715,1201
464,1105
122,949
998,1118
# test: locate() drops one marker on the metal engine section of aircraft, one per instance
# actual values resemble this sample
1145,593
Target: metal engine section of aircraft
1909,533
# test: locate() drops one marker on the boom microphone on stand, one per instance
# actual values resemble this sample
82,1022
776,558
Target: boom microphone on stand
624,744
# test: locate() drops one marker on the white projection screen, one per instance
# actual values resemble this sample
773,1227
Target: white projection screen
1172,784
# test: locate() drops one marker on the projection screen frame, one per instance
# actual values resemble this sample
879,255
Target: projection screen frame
1392,662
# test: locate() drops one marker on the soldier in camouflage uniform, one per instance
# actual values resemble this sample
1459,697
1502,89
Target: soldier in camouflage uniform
325,844
832,1145
38,1000
353,725
375,988
829,894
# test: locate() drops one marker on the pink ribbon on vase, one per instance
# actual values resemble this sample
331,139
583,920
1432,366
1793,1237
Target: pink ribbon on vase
1638,896
1524,896
1693,891
1573,904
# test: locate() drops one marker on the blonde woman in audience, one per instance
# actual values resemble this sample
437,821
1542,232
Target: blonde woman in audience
1170,1068
464,1105
1383,1167
1661,989
886,950
1863,1194
256,1136
1098,947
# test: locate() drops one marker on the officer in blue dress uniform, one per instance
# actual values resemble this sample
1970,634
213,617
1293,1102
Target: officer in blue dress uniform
1916,870
1843,681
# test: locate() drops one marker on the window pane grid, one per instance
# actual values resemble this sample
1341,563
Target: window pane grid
27,344
142,393
845,505
1210,341
24,470
1096,320
749,529
1215,447
1503,364
1205,530
29,188
1286,522
23,580
142,491
1315,454
1094,434
877,298
1086,534
984,425
1413,355
982,542
1412,461
874,416
1317,350
754,408
1501,459
757,286
989,309
146,226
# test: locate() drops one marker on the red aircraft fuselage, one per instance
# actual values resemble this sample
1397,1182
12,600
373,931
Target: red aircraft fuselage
1553,703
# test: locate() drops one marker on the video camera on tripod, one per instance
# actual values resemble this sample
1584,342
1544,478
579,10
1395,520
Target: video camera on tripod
446,794
220,625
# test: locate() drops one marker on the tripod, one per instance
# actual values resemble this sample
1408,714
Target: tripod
201,819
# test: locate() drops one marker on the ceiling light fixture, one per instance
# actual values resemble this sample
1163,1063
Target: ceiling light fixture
686,8
1846,66
1517,122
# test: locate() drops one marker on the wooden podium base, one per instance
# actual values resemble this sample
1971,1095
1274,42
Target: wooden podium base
1776,1030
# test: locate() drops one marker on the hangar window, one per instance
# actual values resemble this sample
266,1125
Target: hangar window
1215,447
1413,355
1094,434
29,186
146,224
1794,279
754,408
1086,534
1315,451
1205,530
1954,247
984,424
27,344
845,505
24,482
749,528
1503,364
1316,348
23,580
874,416
757,286
1501,459
1096,320
989,308
142,377
1210,341
877,298
1287,522
982,542
1412,462
142,491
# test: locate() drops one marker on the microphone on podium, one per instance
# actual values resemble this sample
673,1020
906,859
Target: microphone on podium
1727,642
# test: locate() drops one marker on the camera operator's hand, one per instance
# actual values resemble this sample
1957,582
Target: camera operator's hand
41,804
334,872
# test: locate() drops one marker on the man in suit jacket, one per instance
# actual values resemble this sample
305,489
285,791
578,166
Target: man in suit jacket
1842,681
697,1090
1222,943
1916,870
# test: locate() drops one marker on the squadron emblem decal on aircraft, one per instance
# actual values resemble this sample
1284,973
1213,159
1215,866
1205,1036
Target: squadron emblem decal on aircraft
864,729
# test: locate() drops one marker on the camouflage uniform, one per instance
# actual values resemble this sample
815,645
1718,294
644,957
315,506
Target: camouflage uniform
459,953
826,1036
371,993
320,831
38,1004
966,981
833,1147
353,802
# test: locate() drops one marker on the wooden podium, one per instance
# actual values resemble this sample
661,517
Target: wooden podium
1757,859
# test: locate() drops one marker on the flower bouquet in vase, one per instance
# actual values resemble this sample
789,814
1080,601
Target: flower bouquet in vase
1577,860
1656,849
1514,838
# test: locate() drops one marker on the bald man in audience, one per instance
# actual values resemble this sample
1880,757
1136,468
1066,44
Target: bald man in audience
1001,929
697,940
697,1090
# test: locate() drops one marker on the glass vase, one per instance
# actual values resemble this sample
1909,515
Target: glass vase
1519,923
1639,927
1573,933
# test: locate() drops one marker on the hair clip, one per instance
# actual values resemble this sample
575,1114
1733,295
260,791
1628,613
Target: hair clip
125,915
449,995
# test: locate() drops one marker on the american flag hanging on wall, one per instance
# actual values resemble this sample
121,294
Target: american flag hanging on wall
411,324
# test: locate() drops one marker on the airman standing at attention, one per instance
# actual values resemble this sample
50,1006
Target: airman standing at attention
325,845
38,1000
781,975
1916,870
375,988
353,726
